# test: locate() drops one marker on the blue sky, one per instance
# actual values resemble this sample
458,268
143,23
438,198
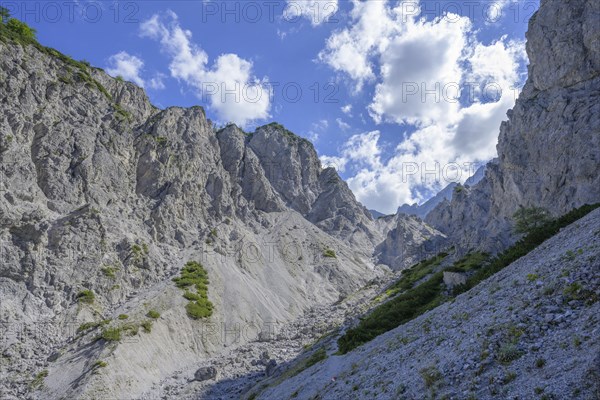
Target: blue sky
401,97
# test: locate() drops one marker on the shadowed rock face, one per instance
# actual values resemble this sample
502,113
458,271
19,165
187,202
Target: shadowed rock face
549,149
408,242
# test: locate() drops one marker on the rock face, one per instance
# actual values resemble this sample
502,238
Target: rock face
452,279
102,192
549,149
424,209
409,241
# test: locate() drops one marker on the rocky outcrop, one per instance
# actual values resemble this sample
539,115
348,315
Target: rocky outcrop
424,209
408,242
549,149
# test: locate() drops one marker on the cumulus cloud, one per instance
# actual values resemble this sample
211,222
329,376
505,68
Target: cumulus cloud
421,72
445,90
126,66
349,50
229,85
157,82
316,11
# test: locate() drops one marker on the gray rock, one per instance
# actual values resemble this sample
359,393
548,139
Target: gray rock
452,279
270,367
548,149
205,373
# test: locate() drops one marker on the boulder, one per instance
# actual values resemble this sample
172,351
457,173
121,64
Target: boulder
205,374
452,279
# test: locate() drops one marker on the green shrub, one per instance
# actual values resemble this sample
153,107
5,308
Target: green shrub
123,316
147,325
430,375
191,296
509,377
21,29
199,309
39,379
316,357
415,273
109,271
194,275
153,314
111,334
329,253
86,296
395,312
527,244
528,220
131,329
4,15
508,353
92,325
100,364
540,362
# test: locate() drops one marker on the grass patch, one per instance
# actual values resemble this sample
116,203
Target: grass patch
317,357
415,273
153,314
92,325
109,272
329,253
195,276
428,295
147,326
111,334
100,364
131,329
508,353
123,316
470,262
39,379
86,296
431,376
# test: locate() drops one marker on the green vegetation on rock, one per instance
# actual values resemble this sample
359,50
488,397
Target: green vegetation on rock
414,301
86,296
195,276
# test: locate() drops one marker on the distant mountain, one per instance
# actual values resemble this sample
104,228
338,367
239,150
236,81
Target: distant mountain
422,210
376,214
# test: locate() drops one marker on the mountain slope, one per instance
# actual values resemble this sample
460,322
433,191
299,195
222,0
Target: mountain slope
105,197
530,330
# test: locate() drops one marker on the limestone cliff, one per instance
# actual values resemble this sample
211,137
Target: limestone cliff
549,149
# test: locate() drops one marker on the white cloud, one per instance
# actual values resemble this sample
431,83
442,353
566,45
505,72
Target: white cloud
157,82
342,125
317,11
316,129
420,72
229,85
446,136
350,49
126,66
347,109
